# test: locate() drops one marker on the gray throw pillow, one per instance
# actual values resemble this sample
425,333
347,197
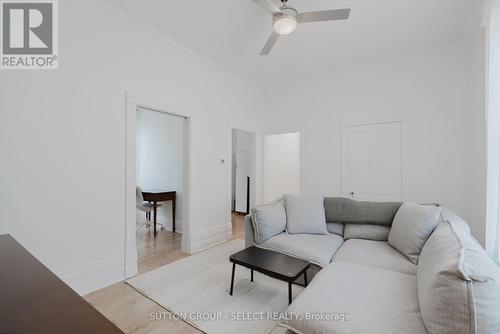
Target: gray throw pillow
305,214
268,221
412,226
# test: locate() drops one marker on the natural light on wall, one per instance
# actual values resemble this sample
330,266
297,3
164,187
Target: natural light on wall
492,24
281,165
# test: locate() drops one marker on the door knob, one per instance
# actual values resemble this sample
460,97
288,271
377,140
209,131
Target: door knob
352,194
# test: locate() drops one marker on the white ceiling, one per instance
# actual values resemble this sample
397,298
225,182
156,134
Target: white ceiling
232,32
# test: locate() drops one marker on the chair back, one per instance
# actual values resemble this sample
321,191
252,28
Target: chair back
139,200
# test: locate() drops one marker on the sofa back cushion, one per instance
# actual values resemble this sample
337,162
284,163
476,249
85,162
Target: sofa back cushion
366,232
335,228
458,284
345,211
268,220
305,214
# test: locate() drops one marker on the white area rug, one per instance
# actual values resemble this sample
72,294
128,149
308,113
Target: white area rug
198,286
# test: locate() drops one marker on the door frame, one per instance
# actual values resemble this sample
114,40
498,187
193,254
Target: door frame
133,102
349,123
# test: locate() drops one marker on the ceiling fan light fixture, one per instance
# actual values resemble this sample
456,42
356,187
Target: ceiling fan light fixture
286,19
286,22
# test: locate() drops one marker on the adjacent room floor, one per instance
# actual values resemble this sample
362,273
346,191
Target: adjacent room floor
129,309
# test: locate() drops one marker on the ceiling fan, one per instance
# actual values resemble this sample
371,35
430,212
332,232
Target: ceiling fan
286,19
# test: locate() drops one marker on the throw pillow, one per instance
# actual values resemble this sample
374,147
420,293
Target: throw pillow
412,226
268,221
305,214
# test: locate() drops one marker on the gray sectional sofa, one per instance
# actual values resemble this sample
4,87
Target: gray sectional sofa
453,289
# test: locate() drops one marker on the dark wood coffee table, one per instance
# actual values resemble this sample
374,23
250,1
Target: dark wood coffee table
274,264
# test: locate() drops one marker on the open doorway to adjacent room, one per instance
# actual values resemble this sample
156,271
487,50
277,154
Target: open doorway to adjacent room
161,170
243,171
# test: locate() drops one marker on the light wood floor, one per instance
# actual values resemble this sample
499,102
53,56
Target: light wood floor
130,310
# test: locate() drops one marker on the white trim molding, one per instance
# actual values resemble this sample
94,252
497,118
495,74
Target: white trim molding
97,276
210,237
134,101
491,19
130,264
166,222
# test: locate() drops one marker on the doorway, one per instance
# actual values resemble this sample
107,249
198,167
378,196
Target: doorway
243,166
157,174
372,161
160,184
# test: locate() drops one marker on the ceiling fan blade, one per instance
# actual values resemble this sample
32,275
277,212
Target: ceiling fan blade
267,5
324,15
269,44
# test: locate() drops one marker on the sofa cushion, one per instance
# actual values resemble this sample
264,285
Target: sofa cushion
336,228
305,214
375,301
374,254
458,284
412,226
315,248
366,231
268,221
344,210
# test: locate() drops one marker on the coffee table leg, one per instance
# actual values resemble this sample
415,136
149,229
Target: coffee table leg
305,278
289,293
232,280
251,276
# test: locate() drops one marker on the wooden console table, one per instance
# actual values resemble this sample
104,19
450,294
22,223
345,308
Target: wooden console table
34,300
155,196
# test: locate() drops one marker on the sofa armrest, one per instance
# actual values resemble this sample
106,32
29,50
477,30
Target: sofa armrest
249,233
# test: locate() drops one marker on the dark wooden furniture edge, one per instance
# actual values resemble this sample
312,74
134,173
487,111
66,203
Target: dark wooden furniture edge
34,300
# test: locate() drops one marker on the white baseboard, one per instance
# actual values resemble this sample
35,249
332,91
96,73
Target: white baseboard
166,222
131,267
177,229
210,237
98,276
111,271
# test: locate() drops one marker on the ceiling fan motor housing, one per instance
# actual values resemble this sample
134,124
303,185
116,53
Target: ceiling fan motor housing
286,11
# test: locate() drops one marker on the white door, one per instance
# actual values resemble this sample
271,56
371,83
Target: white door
372,162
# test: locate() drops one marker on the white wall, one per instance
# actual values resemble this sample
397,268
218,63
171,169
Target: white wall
428,90
281,165
160,160
62,140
